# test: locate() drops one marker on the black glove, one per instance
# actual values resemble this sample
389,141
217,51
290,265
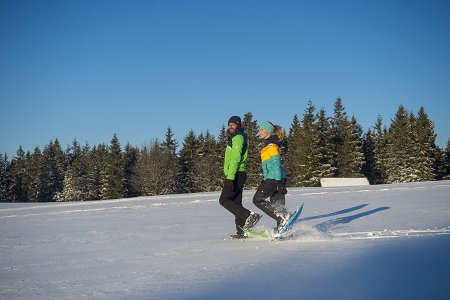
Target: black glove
229,185
281,186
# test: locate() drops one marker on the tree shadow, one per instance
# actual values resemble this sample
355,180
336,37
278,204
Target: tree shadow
327,225
339,212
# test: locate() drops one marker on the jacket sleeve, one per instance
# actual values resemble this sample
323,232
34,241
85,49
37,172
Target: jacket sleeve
235,156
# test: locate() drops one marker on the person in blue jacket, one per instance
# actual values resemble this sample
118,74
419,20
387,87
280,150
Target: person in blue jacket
270,195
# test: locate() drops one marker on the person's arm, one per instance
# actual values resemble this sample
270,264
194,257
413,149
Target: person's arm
235,156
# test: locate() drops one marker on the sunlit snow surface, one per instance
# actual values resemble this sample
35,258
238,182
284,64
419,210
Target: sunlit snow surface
368,242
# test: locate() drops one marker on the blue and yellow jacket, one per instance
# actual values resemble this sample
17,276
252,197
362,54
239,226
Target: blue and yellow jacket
270,158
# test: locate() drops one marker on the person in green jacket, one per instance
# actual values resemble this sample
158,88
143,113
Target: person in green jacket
235,170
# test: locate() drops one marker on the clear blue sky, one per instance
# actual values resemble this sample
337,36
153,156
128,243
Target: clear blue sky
89,69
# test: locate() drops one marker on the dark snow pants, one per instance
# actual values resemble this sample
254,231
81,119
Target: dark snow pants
232,200
273,207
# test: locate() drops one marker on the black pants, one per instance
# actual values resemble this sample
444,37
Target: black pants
232,200
273,207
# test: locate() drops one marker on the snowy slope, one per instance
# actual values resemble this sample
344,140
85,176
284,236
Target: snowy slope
371,242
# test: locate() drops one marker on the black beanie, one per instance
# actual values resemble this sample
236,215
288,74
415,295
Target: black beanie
235,120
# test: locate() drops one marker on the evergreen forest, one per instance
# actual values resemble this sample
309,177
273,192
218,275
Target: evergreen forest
317,145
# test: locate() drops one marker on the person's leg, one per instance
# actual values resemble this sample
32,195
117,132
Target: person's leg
266,189
232,199
240,182
278,199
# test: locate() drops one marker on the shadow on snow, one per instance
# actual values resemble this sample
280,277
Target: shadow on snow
327,225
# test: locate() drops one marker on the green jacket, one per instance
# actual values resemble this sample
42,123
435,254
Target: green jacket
236,155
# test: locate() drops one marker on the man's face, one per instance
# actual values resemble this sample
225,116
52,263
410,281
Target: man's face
232,128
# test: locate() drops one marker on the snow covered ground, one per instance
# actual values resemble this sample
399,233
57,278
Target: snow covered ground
368,242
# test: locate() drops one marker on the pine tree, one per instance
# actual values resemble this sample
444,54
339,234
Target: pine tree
254,173
113,174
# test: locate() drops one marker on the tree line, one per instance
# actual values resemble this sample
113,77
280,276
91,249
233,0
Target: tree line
316,146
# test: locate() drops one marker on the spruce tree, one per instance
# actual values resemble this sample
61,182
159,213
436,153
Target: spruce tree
369,169
207,170
89,188
308,166
400,149
113,174
52,172
427,154
5,179
140,172
348,143
18,177
380,156
172,168
214,166
221,144
338,124
97,163
254,173
439,164
354,142
187,157
292,154
325,151
152,173
447,161
130,159
79,179
170,144
34,166
71,190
